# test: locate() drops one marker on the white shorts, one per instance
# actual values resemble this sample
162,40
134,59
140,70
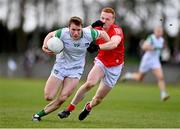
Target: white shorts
149,64
62,72
112,74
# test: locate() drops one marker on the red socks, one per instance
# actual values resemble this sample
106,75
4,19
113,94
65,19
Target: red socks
88,107
71,107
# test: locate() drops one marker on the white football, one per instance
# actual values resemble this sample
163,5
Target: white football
55,45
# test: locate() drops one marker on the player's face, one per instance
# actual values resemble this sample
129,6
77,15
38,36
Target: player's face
75,31
158,32
107,18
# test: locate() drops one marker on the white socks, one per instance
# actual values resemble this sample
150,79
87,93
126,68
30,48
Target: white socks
128,75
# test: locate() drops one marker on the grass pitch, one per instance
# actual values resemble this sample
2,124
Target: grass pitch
128,105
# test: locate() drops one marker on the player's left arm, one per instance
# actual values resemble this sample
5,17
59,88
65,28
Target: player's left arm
147,46
93,47
113,43
99,34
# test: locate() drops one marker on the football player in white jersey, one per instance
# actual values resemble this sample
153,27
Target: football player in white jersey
68,66
151,61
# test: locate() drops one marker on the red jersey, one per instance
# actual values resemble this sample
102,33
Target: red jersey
115,56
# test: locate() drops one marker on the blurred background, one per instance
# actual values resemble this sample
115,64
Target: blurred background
25,23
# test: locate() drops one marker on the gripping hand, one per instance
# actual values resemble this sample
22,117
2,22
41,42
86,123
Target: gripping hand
97,23
93,47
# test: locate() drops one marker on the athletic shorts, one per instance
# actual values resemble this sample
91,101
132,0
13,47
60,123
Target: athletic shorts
62,72
149,64
112,74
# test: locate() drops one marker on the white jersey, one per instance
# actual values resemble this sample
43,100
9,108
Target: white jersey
74,51
157,43
151,59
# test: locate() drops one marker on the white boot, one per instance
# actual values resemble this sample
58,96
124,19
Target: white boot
164,96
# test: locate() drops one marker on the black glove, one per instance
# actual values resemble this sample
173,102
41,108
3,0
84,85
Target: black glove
93,47
97,23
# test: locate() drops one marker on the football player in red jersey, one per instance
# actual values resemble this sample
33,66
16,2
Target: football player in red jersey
107,67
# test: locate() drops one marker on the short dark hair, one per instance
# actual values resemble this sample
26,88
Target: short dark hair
75,20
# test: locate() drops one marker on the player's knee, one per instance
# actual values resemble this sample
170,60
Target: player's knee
48,97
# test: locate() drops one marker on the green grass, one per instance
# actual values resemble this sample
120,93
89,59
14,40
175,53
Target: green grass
128,105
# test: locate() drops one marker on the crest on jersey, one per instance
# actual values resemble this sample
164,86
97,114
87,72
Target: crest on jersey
86,44
76,45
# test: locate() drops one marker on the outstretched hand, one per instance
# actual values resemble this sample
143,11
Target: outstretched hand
93,47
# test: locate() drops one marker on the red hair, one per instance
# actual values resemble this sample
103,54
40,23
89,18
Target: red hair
109,10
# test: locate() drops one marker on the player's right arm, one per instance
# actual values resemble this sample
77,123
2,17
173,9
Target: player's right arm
147,45
44,47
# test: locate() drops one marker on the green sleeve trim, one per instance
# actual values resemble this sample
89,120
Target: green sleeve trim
149,39
95,34
58,33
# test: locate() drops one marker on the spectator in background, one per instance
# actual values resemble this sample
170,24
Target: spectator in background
12,66
29,61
